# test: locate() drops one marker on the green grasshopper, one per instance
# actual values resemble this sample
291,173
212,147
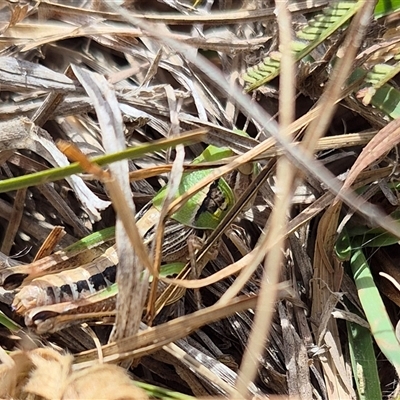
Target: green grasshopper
88,281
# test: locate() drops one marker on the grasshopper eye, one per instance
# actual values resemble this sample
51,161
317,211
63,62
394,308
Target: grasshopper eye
13,281
43,315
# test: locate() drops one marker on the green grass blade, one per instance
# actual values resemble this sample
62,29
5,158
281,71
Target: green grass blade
312,35
374,309
386,7
375,240
363,362
387,99
9,323
363,236
381,74
161,393
343,246
92,240
55,174
328,22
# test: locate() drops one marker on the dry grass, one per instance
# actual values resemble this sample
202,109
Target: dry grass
269,315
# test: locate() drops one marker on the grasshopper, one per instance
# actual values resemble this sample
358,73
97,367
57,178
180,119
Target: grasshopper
51,318
44,294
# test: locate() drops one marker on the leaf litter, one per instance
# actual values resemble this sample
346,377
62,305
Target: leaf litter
86,74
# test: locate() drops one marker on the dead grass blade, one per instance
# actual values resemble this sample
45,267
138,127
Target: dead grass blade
173,187
380,144
331,142
277,224
132,253
23,75
216,18
326,281
14,221
50,243
153,338
21,133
